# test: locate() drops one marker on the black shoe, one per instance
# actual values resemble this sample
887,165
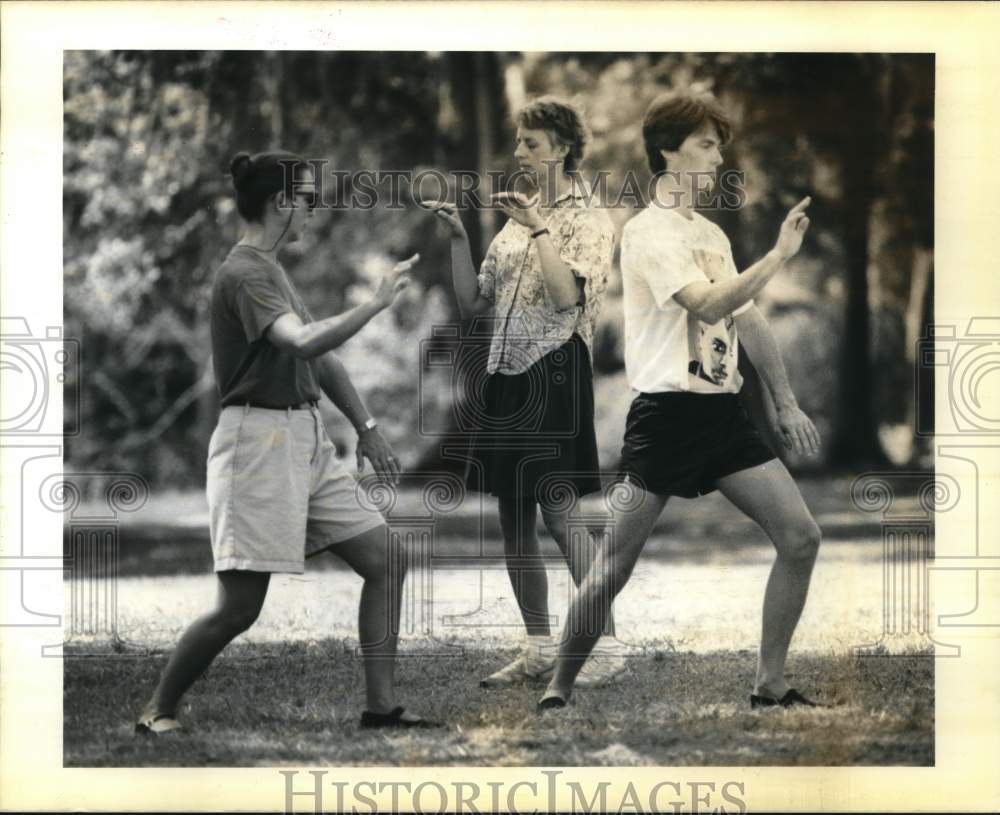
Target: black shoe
394,718
550,703
791,699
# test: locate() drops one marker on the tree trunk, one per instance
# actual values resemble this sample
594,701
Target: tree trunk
476,99
856,442
923,423
467,154
272,80
855,437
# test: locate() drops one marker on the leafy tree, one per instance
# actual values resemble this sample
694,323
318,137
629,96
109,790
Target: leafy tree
148,217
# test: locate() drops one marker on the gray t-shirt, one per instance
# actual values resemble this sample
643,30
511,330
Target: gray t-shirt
249,293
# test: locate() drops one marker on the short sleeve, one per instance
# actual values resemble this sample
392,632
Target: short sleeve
258,302
662,258
488,276
588,250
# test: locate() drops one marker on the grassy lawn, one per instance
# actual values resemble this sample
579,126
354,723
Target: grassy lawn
298,704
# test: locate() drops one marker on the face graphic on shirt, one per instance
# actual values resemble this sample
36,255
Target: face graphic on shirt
711,348
718,351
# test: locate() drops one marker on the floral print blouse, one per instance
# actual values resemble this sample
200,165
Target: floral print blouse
528,325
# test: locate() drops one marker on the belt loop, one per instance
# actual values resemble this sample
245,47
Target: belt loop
288,413
246,409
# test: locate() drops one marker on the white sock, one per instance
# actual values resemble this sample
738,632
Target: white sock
609,646
538,649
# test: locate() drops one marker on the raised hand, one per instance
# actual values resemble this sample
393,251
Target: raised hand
395,281
447,213
518,208
793,229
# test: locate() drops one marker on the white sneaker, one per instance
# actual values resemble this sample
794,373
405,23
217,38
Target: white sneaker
536,663
156,723
605,665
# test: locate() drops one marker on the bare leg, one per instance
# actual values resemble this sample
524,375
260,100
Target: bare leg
381,563
768,495
616,557
579,547
525,566
240,598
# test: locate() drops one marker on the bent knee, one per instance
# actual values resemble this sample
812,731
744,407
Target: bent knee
801,541
385,563
236,620
559,530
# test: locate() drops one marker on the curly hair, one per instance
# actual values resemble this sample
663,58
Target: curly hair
563,121
674,116
256,178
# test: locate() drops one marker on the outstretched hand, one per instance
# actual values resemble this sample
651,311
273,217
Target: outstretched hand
394,282
448,214
519,208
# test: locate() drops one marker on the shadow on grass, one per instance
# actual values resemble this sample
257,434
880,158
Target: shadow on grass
298,704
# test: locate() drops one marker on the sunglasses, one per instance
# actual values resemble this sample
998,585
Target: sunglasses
311,198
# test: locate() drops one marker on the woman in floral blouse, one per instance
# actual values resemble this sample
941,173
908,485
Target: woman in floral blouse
534,447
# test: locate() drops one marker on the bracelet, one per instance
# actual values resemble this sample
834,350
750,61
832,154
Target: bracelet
543,231
370,424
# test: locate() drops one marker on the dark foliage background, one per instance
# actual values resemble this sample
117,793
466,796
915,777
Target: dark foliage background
148,217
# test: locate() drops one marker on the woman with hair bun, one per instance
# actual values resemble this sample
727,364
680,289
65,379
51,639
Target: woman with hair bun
534,447
276,491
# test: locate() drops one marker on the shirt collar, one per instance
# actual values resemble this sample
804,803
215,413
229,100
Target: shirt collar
578,191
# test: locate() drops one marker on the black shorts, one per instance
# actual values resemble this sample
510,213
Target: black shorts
681,443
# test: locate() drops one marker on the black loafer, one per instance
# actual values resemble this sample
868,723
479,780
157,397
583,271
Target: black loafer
791,699
394,718
550,703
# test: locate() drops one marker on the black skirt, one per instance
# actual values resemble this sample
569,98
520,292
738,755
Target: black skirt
534,431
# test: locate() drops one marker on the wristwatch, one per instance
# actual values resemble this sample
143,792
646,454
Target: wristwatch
370,424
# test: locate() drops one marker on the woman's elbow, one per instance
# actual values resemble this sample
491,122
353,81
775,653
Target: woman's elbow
303,346
712,310
473,309
564,301
705,312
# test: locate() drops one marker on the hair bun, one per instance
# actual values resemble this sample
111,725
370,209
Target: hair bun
240,166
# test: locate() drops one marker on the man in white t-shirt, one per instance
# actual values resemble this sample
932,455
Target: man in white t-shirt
686,310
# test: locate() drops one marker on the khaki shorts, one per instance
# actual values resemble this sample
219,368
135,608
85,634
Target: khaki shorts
276,492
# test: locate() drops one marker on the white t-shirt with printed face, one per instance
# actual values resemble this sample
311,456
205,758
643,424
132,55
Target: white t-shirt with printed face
666,347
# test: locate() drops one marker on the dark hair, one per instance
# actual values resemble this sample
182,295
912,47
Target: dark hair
672,117
562,121
257,178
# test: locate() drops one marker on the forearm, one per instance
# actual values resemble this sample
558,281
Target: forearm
316,338
336,384
758,342
464,278
560,282
724,298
